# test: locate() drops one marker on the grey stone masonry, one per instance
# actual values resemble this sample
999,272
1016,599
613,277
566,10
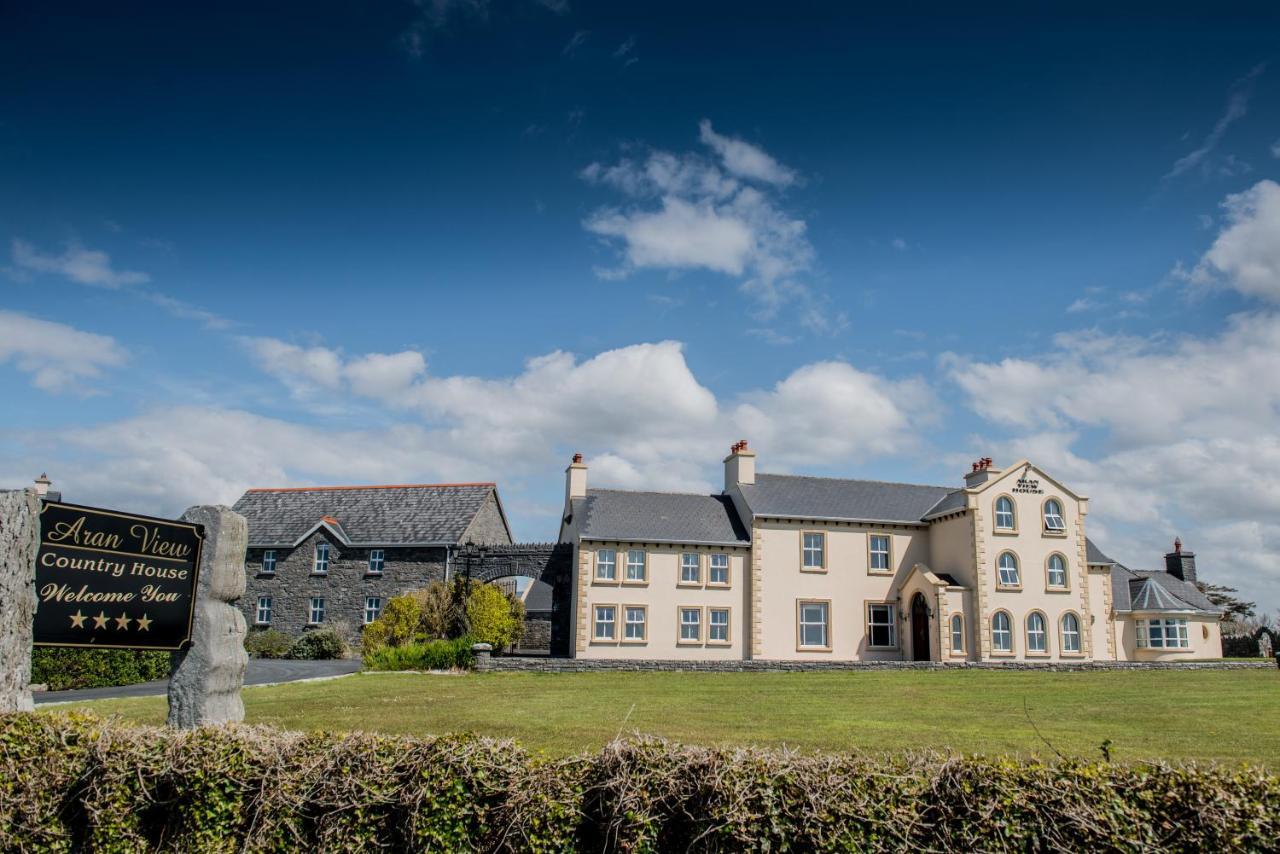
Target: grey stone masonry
345,587
19,539
579,665
488,526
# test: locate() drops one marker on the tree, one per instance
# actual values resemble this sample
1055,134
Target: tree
1235,612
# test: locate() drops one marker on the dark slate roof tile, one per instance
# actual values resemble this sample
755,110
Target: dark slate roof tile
660,517
1155,590
797,497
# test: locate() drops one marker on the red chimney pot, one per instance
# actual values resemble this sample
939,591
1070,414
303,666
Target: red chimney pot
577,458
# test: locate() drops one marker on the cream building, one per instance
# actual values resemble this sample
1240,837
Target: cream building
785,567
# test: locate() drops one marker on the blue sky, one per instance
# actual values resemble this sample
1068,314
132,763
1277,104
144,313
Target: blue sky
336,242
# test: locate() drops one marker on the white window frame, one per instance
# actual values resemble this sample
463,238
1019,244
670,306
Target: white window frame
1042,634
1066,646
713,626
1051,518
818,551
611,563
597,622
316,609
715,566
1016,568
269,562
1007,631
802,624
1048,571
628,623
1170,628
695,565
320,561
957,634
682,624
372,605
874,554
262,617
377,561
1012,513
882,615
643,578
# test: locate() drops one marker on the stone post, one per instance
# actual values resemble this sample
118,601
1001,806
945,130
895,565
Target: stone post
205,680
481,651
19,539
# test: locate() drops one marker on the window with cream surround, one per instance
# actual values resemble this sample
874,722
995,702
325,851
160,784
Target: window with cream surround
1008,566
1057,571
320,566
1001,632
957,633
878,555
882,625
605,624
1070,640
635,565
1054,523
377,559
372,608
1037,634
717,625
263,617
269,562
690,569
1169,633
690,625
813,551
814,629
635,623
1005,518
316,616
718,570
606,565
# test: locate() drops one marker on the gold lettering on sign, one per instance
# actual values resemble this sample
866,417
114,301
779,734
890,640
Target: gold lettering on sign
152,593
65,593
76,533
149,537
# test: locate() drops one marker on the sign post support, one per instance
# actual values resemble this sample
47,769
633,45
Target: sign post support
206,676
19,538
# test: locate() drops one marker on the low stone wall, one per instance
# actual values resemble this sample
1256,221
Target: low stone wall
580,665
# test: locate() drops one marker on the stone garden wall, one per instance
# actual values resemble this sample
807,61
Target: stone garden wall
579,665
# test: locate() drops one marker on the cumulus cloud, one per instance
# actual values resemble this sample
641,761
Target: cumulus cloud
76,263
58,357
1246,254
744,159
309,370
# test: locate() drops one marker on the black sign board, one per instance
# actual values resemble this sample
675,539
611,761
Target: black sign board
114,580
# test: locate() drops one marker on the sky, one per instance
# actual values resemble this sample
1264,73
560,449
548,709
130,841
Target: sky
247,245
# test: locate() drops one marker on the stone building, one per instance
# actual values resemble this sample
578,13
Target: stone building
335,555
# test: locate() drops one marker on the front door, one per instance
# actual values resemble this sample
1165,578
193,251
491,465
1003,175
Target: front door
919,629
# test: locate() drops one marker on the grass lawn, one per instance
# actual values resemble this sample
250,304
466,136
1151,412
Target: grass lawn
1159,714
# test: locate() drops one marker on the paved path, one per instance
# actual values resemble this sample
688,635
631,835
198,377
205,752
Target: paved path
261,671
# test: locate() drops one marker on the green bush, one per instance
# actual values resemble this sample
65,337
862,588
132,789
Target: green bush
66,668
398,625
424,615
77,782
267,643
1240,647
317,645
432,655
496,618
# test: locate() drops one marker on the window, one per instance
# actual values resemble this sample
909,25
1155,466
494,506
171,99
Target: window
882,627
606,623
635,565
634,628
690,625
813,551
690,569
717,625
320,566
878,559
606,565
814,627
377,558
1070,633
957,633
1009,576
1001,632
718,570
263,617
1057,567
1163,634
1053,521
1005,520
269,562
317,611
1037,639
372,608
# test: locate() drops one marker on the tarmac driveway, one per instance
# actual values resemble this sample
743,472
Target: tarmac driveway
261,671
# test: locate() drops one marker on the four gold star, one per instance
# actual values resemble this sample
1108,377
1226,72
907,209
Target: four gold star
122,621
77,620
143,623
100,621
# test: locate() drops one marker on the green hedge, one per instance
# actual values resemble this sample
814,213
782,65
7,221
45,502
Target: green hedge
73,782
65,668
318,645
267,643
431,655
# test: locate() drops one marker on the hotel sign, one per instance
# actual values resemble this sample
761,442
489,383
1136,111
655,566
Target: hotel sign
1031,486
114,580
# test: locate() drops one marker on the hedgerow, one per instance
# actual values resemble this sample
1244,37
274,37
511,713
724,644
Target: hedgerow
432,655
64,668
72,782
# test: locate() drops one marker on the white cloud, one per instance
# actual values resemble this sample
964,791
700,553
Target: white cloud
1246,253
310,370
80,265
679,235
58,357
1236,109
744,159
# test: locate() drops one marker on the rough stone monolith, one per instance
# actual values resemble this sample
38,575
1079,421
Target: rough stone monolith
19,539
205,681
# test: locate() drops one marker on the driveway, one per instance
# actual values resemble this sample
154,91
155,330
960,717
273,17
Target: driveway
261,671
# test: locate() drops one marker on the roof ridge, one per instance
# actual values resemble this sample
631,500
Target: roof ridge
658,492
370,486
861,480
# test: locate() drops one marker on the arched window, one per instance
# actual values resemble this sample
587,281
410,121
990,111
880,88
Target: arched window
1070,633
957,633
1053,521
1009,576
1037,637
1001,632
1057,570
1005,520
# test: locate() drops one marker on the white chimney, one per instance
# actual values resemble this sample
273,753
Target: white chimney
575,479
42,485
740,465
981,472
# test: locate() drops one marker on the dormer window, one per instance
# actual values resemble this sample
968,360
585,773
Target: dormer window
1005,520
320,566
1053,521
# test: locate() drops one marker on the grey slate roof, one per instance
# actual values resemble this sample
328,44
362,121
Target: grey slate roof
1155,590
660,517
538,597
952,501
1093,554
792,496
367,515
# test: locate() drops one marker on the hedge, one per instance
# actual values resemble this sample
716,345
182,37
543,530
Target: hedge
432,655
72,782
62,668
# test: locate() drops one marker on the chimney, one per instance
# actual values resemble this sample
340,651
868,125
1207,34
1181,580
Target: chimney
981,472
740,465
42,485
1181,564
575,479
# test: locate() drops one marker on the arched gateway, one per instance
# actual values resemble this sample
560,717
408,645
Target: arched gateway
546,562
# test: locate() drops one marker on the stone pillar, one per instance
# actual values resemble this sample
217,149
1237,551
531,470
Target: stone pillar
19,539
205,680
481,651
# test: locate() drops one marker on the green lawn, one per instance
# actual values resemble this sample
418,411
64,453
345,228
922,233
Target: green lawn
1219,715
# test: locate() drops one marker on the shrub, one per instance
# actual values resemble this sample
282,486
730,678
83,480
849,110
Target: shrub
493,616
398,624
317,645
431,655
425,615
66,668
1240,647
77,782
267,643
